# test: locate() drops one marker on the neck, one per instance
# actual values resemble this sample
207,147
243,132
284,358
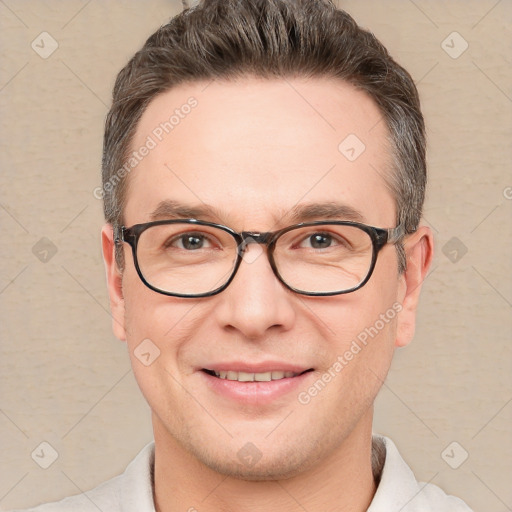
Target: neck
343,480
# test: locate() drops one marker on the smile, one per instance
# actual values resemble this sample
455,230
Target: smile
267,376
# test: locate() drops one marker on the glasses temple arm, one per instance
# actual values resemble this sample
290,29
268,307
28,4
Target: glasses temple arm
396,234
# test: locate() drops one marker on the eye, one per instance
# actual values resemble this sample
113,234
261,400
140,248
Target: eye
319,241
190,242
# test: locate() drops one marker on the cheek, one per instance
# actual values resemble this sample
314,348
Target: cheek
364,332
137,309
368,314
364,360
159,325
153,355
148,314
366,347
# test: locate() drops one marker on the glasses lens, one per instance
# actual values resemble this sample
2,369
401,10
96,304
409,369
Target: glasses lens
186,259
324,258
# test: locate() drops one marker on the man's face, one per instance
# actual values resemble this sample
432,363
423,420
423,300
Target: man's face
252,151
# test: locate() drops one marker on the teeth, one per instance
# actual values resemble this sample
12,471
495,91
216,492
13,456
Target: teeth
251,377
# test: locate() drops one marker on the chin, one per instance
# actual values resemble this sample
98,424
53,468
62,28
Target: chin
259,462
281,468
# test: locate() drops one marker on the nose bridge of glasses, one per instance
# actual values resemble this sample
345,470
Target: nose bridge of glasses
254,237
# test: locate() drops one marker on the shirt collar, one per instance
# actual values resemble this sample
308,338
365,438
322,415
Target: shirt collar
138,482
398,488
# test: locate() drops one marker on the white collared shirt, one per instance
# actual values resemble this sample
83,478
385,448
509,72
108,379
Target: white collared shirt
398,490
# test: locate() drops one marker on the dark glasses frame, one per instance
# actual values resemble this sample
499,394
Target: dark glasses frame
379,236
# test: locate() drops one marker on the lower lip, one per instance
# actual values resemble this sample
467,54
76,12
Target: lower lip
255,392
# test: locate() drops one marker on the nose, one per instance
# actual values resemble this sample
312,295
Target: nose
255,302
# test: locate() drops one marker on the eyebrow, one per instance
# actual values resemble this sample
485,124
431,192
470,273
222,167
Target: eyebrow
170,209
329,210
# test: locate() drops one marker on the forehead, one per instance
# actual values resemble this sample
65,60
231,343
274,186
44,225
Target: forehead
254,149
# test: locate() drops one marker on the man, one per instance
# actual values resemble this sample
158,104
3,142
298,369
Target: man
263,181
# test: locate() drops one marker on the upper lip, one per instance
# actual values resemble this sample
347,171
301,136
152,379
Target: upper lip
263,367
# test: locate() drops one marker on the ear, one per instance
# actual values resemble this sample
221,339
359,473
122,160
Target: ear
114,282
419,250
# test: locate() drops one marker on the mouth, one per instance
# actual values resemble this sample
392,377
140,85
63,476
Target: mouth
266,376
256,384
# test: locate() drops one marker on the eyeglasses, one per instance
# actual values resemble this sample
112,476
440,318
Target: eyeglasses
194,258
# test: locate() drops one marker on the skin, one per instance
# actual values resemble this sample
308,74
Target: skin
253,150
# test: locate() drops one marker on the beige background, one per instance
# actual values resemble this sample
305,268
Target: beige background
66,380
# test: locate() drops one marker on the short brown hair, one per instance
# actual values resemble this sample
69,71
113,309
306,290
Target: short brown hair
229,39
